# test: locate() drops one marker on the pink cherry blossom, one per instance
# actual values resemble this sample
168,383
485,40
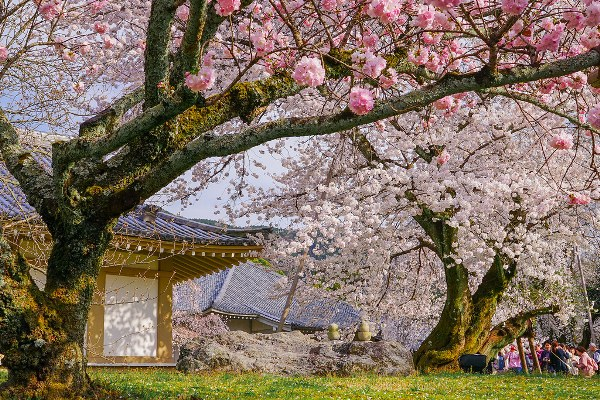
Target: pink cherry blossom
101,27
443,158
419,56
109,41
329,5
227,7
93,69
96,6
261,43
79,87
3,54
514,7
597,149
424,18
593,116
562,141
374,65
183,13
551,40
309,71
203,80
69,55
444,4
575,18
579,199
208,59
388,79
370,40
361,101
386,10
50,9
85,48
592,13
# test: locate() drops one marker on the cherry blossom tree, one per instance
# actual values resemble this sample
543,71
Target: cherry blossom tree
146,90
487,193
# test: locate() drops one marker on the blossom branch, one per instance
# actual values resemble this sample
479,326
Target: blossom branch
536,102
204,147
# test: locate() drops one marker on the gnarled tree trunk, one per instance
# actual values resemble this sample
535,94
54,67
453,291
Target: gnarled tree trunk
465,325
43,330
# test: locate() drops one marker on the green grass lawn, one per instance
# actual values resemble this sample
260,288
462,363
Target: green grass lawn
144,383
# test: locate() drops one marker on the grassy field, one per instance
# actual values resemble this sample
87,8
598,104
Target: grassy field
169,384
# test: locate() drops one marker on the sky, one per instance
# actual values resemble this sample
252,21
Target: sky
209,202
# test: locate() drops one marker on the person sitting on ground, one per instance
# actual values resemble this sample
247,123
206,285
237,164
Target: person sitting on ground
558,358
545,358
585,364
573,361
499,363
514,360
595,352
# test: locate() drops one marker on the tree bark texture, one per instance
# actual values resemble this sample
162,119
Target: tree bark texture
465,324
43,330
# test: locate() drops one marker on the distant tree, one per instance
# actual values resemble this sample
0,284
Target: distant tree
487,195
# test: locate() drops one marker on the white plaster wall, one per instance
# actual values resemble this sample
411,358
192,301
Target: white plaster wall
130,316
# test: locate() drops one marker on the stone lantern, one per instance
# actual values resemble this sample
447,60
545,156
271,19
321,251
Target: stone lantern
364,332
333,332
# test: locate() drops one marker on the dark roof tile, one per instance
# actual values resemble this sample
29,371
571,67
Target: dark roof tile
248,289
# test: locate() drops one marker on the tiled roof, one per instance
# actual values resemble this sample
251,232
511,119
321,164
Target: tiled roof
248,290
145,221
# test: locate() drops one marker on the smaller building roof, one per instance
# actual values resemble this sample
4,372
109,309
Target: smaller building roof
247,290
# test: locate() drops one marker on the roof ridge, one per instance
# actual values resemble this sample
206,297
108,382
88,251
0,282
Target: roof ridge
211,228
224,286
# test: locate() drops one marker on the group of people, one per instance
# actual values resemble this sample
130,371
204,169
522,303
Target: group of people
553,358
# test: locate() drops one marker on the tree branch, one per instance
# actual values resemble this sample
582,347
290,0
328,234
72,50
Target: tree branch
107,120
532,100
35,181
190,49
207,146
158,41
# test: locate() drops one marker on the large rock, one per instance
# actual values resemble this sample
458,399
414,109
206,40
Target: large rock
292,353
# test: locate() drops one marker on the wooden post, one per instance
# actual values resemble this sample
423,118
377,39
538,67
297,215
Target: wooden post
536,362
585,296
522,356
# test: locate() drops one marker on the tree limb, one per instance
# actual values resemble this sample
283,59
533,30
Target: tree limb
158,41
190,49
204,147
35,181
107,120
532,100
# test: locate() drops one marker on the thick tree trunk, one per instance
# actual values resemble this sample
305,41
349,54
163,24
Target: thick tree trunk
465,324
43,331
440,348
446,342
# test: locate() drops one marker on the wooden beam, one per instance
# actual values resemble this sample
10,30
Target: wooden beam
137,272
522,356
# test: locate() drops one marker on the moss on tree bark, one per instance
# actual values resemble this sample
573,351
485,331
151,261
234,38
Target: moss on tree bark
43,330
465,325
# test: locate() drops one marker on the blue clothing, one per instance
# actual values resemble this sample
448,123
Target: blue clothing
501,363
545,359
